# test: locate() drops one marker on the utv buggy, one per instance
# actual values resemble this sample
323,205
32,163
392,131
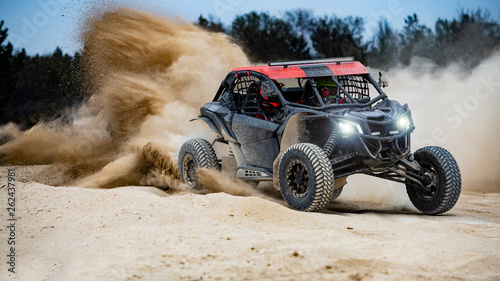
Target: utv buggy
307,126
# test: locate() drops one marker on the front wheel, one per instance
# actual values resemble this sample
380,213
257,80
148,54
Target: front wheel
305,177
441,177
194,155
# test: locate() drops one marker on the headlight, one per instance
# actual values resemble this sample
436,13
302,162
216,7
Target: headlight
347,127
403,123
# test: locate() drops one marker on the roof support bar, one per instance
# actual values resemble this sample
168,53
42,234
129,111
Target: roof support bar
285,64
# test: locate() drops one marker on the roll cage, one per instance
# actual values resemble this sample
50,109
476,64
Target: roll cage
352,81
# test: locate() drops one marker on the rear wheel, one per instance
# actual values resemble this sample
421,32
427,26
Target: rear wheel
305,177
194,155
442,180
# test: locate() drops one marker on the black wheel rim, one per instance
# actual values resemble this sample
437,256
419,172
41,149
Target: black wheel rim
189,169
431,177
298,178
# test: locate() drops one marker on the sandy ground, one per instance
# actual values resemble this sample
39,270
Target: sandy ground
371,233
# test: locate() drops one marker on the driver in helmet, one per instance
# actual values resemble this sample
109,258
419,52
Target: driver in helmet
328,89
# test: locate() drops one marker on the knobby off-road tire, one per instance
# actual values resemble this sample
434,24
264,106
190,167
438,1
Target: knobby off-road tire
305,177
194,155
445,181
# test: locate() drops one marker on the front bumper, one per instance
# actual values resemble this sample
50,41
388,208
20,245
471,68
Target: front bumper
378,146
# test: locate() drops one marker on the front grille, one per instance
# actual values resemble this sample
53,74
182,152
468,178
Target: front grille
388,149
384,130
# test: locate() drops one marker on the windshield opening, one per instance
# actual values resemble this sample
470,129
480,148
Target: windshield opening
301,90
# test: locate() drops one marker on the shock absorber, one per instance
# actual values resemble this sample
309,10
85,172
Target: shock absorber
331,143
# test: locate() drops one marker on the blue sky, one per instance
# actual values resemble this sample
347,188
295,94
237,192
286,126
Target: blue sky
40,26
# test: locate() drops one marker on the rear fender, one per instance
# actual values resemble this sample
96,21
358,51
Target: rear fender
210,124
216,116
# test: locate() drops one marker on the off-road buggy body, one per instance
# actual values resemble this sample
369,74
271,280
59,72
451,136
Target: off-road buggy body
307,126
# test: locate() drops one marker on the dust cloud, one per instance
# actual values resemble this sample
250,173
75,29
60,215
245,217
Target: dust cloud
457,110
149,76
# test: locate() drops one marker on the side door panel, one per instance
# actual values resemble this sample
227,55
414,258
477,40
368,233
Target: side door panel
258,139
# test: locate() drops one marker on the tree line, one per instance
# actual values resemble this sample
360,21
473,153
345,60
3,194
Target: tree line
466,39
45,87
37,88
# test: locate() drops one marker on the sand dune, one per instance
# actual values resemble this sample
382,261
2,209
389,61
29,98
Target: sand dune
139,232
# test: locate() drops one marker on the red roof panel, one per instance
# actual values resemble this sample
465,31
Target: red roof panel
297,71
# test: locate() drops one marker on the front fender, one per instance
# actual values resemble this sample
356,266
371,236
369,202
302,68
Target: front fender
302,130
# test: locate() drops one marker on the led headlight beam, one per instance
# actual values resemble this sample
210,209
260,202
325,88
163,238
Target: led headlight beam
347,127
403,123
